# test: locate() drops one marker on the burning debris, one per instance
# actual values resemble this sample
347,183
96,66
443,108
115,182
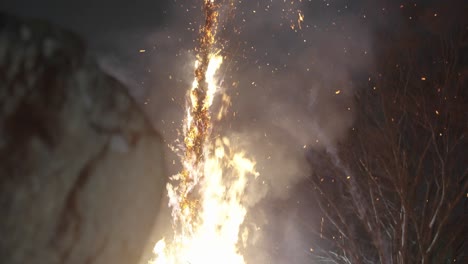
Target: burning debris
206,197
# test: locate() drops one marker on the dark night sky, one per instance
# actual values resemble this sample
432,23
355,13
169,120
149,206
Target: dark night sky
92,18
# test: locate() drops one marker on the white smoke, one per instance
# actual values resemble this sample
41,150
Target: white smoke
292,90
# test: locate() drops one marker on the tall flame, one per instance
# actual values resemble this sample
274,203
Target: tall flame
207,196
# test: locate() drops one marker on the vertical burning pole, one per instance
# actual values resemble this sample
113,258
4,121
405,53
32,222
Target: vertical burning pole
198,128
207,196
198,125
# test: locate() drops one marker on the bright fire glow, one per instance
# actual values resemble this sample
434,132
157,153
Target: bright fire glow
206,198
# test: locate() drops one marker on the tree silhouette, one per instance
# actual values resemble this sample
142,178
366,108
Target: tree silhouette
395,191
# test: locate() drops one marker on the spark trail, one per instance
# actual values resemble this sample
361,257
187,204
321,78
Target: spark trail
206,198
197,128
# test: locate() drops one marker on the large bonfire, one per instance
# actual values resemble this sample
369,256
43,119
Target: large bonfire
206,197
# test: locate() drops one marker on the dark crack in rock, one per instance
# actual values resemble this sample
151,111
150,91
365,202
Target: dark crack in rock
81,169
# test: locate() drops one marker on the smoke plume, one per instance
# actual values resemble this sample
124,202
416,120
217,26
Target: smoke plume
290,82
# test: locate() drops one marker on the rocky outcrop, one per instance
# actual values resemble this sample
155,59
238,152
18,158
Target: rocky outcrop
81,173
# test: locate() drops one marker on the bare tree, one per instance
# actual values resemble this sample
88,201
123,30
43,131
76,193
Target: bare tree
396,190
